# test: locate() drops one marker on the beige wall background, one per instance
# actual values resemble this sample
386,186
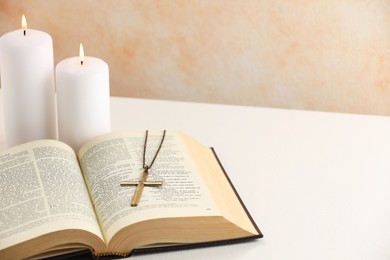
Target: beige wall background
316,55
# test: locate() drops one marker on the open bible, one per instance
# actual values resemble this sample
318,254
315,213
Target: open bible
54,201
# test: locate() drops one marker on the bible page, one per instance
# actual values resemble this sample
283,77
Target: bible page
113,158
42,191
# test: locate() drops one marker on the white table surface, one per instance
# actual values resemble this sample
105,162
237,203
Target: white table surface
317,184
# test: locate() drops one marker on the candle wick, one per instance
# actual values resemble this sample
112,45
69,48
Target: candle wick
24,32
82,62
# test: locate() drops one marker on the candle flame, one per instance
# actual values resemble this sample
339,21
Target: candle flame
81,53
24,22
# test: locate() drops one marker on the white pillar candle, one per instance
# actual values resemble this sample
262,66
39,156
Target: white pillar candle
27,81
83,99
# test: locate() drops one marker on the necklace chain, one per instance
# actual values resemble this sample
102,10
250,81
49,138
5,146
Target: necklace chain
145,166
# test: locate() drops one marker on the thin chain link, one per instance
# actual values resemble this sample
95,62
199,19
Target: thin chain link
145,166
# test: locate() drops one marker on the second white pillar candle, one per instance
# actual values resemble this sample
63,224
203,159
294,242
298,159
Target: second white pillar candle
83,100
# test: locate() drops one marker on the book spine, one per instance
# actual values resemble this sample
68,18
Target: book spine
111,254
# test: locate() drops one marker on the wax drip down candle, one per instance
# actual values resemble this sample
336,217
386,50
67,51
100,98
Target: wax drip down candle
83,99
27,81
